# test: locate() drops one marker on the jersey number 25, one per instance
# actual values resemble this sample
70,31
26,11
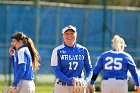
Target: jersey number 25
113,63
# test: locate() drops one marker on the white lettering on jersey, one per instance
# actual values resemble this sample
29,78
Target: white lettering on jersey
110,61
72,57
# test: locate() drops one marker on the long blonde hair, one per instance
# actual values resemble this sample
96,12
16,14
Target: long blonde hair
29,43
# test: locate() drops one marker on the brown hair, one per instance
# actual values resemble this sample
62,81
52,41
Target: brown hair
29,43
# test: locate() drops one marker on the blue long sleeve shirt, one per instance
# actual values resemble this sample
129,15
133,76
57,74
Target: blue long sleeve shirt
22,65
69,62
116,65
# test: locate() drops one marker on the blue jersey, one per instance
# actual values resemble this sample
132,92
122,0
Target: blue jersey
116,65
69,62
22,65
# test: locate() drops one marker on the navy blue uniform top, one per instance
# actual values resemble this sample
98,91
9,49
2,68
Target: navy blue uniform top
22,65
69,62
116,65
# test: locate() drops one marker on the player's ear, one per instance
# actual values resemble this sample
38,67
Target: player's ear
62,34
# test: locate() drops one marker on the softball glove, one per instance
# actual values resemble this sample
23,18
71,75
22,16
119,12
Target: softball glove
79,85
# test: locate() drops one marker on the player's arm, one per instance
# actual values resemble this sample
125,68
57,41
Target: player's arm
97,69
21,67
19,75
134,73
133,70
135,76
55,60
88,66
12,60
60,75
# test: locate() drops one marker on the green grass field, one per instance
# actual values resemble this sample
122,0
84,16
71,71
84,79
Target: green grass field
40,87
44,83
48,88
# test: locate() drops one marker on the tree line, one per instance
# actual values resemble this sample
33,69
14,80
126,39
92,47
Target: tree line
133,3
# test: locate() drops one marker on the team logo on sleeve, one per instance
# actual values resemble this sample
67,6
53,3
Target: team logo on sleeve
62,51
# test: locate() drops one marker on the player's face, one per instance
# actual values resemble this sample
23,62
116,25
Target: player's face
14,43
69,37
122,46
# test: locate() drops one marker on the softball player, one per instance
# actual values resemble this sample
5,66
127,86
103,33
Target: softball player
68,61
115,65
24,59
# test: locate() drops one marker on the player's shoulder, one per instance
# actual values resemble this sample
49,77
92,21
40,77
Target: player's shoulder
106,52
126,54
59,47
81,46
22,49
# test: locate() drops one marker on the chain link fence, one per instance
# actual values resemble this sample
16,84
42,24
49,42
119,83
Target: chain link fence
43,22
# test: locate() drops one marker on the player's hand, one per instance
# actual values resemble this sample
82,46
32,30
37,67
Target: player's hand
13,89
11,51
90,88
137,88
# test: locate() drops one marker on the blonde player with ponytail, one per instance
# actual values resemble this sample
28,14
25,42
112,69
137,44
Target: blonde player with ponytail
115,64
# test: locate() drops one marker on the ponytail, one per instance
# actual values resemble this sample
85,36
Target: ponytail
116,43
34,54
29,43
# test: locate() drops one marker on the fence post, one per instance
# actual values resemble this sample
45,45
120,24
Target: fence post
104,24
37,23
58,23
